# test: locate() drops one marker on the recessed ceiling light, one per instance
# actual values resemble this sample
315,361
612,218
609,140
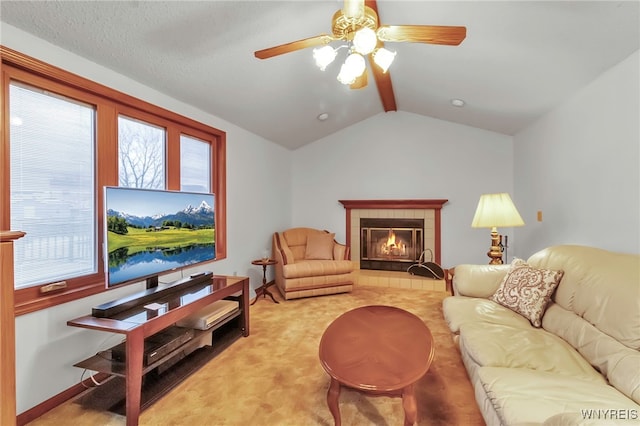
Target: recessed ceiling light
323,116
457,103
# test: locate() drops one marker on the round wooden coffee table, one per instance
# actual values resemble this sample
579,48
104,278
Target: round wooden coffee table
378,350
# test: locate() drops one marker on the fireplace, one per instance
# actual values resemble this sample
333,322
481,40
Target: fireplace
390,244
372,245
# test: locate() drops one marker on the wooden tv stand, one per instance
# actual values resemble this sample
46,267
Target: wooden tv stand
139,322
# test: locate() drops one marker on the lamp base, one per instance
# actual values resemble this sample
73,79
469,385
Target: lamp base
495,252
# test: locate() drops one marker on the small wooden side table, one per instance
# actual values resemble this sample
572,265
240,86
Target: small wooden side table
262,290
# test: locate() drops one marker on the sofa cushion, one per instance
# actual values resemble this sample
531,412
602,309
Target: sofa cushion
522,396
527,290
478,280
496,345
460,310
319,246
600,286
316,268
618,363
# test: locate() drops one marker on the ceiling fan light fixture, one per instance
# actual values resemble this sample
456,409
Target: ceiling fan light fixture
383,58
345,77
355,64
324,56
365,41
353,9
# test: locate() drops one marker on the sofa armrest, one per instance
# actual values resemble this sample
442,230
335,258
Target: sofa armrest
281,251
340,252
478,280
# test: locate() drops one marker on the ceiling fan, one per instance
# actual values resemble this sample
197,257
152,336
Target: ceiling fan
357,25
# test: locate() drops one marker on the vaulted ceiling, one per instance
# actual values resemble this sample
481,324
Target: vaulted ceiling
519,58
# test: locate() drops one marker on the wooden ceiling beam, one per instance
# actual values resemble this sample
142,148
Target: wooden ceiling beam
383,80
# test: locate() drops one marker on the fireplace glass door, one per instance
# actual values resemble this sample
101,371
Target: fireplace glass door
390,244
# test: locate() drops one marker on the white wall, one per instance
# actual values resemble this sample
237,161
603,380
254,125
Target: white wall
258,172
401,155
579,165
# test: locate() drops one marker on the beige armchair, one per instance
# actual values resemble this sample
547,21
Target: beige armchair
311,263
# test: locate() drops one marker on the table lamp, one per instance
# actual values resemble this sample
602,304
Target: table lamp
496,210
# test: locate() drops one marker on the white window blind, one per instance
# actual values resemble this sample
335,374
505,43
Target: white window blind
52,189
195,165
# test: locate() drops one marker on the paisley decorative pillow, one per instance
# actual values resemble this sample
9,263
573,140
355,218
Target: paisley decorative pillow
527,290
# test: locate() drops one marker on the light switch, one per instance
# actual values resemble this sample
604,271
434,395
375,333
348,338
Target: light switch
539,215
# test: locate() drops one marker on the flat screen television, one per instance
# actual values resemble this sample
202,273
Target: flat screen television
151,232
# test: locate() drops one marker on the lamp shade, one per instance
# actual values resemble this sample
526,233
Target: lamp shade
496,210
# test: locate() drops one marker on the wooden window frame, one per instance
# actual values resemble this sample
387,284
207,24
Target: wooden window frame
109,103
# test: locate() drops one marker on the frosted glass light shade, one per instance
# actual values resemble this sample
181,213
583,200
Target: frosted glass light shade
345,77
365,41
352,68
324,56
355,63
496,210
383,58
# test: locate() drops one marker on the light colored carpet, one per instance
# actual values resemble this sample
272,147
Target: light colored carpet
274,376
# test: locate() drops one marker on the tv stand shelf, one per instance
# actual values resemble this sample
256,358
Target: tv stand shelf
140,322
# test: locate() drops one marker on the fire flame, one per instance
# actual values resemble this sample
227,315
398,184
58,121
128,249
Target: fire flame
392,248
391,241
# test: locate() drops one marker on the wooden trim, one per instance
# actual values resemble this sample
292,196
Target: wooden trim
8,327
448,278
219,159
393,204
56,400
425,204
5,196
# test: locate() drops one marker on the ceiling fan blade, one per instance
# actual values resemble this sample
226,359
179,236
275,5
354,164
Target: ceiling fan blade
432,34
293,46
361,81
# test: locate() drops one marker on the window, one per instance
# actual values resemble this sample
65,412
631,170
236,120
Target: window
141,154
52,186
195,165
68,138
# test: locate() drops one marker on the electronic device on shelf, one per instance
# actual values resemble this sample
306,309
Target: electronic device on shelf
210,315
158,345
151,232
114,307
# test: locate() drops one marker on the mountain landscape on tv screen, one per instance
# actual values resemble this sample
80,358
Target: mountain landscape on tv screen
196,216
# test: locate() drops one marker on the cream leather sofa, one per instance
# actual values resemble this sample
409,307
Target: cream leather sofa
581,367
311,263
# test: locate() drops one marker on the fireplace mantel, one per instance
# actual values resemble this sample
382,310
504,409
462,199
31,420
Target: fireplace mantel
424,204
393,204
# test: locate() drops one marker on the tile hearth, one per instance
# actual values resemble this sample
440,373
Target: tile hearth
393,279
